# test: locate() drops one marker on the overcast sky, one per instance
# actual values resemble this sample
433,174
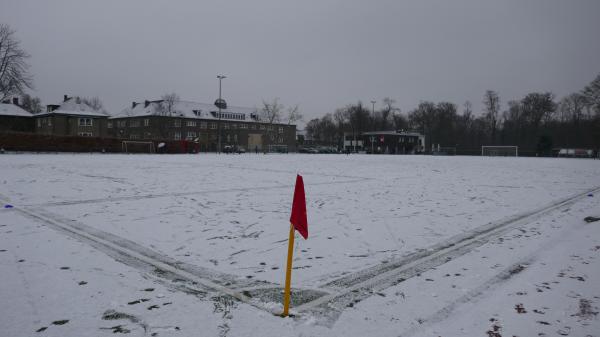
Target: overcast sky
319,54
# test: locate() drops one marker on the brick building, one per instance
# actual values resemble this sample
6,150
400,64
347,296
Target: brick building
200,124
72,117
13,118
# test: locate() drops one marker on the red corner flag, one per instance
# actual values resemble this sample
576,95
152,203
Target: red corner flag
298,217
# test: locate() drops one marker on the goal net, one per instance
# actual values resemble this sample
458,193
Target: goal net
500,151
129,146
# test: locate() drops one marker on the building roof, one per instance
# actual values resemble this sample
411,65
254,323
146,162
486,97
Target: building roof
7,109
75,106
189,109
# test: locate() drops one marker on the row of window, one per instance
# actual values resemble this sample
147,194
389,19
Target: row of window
203,125
48,121
191,135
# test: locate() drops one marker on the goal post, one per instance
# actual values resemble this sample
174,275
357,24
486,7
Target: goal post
500,151
131,146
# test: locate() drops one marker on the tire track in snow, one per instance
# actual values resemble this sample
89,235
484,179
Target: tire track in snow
180,194
139,257
362,284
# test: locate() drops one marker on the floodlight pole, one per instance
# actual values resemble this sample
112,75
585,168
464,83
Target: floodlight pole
372,137
220,77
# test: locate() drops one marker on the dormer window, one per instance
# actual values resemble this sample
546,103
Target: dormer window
198,113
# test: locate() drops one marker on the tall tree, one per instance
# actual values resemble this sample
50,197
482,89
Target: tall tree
491,105
14,70
538,107
339,116
591,94
293,114
271,112
571,108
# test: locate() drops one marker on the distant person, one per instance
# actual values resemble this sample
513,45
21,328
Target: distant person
256,149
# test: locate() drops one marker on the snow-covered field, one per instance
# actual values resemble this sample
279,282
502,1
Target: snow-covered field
398,245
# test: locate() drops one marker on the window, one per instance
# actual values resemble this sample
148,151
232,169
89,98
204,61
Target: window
226,126
280,139
39,123
202,125
228,139
190,123
134,136
235,139
122,124
146,122
84,134
177,123
49,121
191,135
243,126
212,125
109,124
177,135
197,112
234,126
83,122
280,129
134,123
262,127
270,127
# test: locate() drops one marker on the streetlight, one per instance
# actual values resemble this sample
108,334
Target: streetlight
372,137
221,104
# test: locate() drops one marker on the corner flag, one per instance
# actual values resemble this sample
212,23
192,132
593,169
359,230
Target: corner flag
298,217
298,223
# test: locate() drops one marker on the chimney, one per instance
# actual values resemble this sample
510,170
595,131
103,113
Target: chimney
66,98
146,103
16,100
133,104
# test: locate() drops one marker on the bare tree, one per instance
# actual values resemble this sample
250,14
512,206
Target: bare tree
271,112
93,102
538,107
339,116
591,93
571,108
166,106
14,75
387,112
31,104
491,104
294,114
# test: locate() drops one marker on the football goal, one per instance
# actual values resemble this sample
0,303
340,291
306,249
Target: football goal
500,151
130,146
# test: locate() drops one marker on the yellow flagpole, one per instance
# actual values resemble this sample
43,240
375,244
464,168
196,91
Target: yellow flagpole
288,273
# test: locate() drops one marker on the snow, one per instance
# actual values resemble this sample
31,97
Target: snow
7,109
398,245
187,109
75,106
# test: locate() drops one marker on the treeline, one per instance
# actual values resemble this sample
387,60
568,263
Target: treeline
536,123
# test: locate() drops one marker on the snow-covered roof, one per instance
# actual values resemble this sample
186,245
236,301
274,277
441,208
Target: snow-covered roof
7,109
75,106
189,109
